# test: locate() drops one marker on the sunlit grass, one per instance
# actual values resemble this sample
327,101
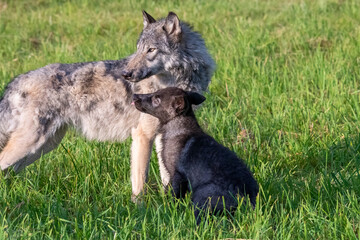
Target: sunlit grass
285,97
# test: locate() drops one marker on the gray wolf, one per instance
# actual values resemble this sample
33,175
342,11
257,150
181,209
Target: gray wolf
95,98
194,159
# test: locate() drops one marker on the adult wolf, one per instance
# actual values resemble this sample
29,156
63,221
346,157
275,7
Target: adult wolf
95,97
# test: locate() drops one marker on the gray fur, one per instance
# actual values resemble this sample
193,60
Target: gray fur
94,97
183,62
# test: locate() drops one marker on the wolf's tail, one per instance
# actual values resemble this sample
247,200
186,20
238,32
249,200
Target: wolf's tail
5,122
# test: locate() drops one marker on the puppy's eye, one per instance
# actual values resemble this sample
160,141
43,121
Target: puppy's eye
156,100
151,50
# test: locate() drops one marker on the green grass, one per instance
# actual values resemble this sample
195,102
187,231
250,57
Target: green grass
285,97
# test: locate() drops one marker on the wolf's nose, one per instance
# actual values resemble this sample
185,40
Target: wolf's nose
127,74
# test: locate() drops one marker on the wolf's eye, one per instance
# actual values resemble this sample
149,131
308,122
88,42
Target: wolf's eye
151,50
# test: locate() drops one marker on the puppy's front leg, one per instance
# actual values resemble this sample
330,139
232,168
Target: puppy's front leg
164,173
179,185
143,137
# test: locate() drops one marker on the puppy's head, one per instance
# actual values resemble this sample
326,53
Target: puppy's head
167,103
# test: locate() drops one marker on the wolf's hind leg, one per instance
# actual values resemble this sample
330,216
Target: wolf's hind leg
21,142
50,144
24,142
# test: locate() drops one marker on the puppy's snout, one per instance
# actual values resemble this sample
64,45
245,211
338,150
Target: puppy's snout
136,98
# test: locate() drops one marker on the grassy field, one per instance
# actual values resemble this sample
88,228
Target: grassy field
285,97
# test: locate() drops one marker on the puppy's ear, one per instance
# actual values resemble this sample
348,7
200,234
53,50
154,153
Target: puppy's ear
172,26
179,103
147,19
195,98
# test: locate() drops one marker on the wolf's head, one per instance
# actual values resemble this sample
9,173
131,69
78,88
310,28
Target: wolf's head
156,48
167,103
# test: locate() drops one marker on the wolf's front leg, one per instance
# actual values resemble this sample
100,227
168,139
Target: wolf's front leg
143,137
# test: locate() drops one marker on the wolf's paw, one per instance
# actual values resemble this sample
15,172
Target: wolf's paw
137,199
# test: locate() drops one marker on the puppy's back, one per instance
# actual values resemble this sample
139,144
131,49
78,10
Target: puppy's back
215,171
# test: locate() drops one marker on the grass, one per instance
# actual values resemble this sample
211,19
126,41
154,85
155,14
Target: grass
285,97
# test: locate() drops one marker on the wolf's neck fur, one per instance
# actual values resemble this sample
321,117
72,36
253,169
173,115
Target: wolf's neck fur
197,66
175,133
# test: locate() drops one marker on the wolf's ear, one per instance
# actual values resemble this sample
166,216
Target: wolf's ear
172,26
147,19
178,104
195,98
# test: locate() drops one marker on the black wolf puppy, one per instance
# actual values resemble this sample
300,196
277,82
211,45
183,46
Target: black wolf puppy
194,160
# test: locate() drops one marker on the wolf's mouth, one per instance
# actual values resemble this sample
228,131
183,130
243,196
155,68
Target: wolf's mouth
149,74
140,78
133,80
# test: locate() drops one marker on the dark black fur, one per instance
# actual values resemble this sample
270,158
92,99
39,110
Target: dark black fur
194,159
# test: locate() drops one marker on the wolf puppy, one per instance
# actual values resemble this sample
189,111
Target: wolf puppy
95,97
194,159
